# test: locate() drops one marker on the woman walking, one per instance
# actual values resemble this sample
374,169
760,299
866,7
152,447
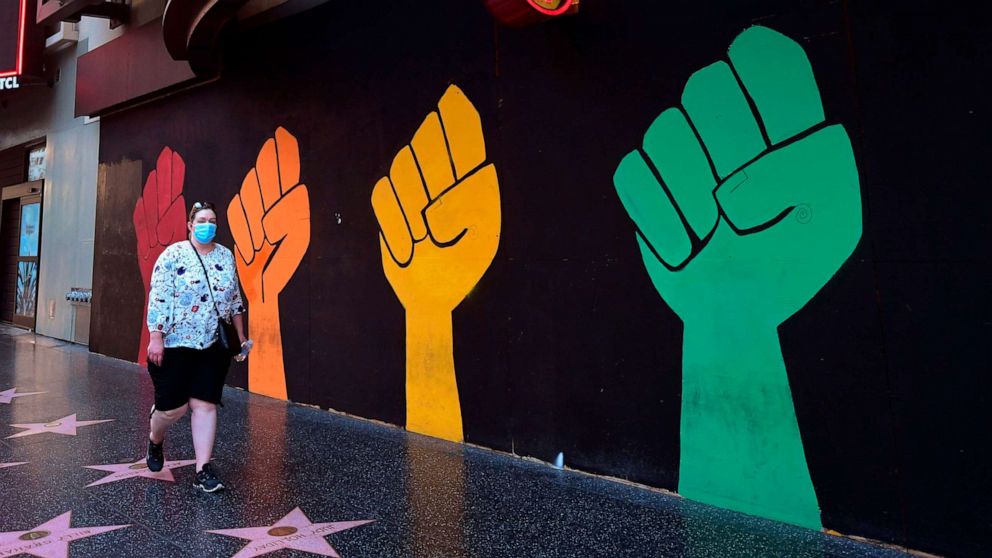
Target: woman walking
193,284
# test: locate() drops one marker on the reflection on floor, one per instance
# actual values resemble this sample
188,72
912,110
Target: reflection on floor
304,482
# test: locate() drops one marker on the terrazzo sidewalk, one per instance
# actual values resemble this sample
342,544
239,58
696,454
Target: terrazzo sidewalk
306,482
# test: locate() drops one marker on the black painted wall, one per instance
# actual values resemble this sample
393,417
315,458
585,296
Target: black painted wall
565,345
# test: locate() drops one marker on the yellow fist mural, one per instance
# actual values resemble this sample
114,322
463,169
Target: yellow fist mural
270,223
439,221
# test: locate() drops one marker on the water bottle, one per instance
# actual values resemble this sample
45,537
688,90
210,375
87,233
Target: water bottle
245,349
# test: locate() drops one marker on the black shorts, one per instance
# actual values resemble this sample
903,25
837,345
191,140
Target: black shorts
189,373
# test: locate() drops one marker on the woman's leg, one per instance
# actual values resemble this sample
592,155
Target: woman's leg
162,420
204,425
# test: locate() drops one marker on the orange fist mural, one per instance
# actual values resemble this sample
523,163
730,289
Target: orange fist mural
439,221
159,220
270,223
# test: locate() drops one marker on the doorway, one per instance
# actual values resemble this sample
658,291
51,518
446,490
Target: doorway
20,243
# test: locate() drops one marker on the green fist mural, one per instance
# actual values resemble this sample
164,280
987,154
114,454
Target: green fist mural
743,214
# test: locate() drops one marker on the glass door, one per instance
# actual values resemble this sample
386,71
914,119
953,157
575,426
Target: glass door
26,293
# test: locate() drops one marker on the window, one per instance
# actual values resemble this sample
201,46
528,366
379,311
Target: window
36,163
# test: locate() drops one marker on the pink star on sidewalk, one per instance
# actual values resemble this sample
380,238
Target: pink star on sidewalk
10,394
65,425
50,539
2,465
123,471
294,531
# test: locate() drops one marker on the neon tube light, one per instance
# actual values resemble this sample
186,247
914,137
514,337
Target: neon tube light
20,42
539,6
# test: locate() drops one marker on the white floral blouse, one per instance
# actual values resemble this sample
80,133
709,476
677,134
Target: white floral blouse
179,303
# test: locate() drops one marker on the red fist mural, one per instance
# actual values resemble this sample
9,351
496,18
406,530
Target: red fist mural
159,220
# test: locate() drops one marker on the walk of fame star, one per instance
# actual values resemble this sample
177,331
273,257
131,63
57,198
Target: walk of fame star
50,539
65,425
2,465
123,471
10,394
294,531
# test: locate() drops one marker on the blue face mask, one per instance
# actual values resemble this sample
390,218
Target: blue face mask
204,232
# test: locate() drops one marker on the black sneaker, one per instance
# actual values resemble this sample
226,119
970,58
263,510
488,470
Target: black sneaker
207,481
155,458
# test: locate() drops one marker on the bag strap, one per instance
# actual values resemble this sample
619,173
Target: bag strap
207,275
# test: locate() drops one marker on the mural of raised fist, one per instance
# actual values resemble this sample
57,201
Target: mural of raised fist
159,220
439,219
742,216
270,223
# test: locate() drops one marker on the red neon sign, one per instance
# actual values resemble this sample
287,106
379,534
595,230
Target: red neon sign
517,13
20,43
552,7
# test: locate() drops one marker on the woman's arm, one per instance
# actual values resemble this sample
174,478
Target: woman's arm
237,305
160,305
239,324
160,295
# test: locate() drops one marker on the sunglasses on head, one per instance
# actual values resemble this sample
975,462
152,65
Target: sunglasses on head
200,206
